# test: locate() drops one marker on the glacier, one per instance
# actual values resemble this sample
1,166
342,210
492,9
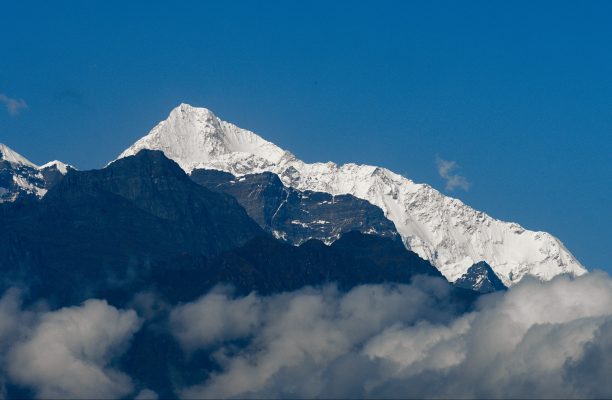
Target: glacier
441,229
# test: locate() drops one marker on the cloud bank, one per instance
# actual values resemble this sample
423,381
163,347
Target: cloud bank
453,180
13,106
536,340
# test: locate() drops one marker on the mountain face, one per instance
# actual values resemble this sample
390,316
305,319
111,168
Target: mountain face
266,265
296,216
141,223
107,225
441,229
19,177
481,278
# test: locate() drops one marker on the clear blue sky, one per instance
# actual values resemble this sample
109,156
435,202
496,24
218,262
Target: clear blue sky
518,94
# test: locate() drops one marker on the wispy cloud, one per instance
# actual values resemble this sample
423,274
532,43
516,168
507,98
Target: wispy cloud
446,169
13,106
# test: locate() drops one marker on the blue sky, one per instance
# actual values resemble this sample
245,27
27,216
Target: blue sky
519,95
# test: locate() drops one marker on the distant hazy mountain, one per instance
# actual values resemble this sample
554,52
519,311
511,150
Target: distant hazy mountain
450,234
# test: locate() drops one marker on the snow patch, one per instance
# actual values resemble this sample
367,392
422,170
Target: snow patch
300,223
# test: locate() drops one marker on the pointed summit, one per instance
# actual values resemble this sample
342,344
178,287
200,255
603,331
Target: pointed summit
194,137
10,155
20,177
58,165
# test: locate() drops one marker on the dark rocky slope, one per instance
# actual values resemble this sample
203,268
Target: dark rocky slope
481,278
296,216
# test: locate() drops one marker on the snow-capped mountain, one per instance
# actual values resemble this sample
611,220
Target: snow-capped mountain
444,230
21,177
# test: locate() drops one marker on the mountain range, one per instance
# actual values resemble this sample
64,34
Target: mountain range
441,229
296,202
143,223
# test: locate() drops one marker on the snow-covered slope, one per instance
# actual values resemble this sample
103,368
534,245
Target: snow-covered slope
10,155
19,176
196,138
60,166
452,235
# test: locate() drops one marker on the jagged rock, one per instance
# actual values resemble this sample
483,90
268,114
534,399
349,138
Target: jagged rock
296,216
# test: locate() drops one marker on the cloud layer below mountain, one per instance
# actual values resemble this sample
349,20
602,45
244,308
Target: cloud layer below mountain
535,340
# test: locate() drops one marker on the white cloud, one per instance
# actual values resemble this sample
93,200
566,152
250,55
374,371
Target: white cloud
536,340
544,340
214,318
146,394
453,180
13,324
67,353
13,106
297,333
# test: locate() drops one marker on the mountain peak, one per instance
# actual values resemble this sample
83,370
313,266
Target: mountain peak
188,108
10,155
194,137
60,166
21,177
